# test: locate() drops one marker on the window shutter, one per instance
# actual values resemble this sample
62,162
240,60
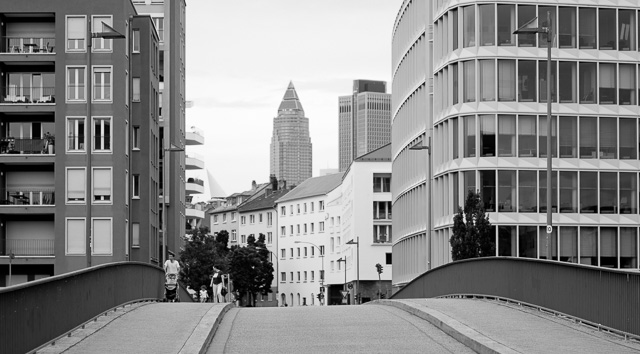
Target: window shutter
102,236
75,236
102,182
75,184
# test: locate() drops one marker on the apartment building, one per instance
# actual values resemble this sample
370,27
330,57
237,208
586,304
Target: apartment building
78,201
476,94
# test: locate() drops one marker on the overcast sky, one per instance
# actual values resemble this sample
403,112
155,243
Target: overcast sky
241,55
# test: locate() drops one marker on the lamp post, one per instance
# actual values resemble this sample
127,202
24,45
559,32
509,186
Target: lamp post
429,163
344,259
532,27
165,188
277,268
11,257
357,290
107,33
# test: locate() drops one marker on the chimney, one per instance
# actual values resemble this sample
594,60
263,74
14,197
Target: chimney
254,185
274,182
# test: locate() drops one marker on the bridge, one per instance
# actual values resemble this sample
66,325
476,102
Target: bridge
489,305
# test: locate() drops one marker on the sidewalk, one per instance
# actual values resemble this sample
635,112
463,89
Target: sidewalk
182,328
488,326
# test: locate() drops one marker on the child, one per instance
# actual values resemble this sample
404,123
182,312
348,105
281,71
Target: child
203,293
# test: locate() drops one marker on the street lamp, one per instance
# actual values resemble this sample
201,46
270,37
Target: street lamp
532,27
357,290
107,33
428,148
165,188
277,268
344,259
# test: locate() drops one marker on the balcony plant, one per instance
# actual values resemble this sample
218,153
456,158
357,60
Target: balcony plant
50,140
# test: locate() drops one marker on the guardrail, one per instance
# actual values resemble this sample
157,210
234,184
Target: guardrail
606,298
27,247
34,313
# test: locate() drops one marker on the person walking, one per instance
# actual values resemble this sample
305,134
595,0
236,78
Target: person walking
217,285
203,293
171,266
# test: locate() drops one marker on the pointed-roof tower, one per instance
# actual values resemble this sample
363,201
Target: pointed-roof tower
290,102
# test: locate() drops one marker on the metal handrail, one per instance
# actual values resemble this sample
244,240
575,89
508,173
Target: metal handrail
27,247
28,45
28,95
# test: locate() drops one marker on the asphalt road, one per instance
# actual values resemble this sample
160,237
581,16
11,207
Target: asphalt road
333,329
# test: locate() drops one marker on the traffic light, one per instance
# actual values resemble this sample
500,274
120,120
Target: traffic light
320,296
379,267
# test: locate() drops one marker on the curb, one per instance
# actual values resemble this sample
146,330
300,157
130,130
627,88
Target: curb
202,335
466,335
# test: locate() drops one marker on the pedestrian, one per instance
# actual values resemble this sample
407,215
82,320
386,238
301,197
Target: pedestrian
217,285
203,293
171,266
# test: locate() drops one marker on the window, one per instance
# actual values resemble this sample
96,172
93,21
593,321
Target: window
291,209
381,184
283,230
102,84
487,135
488,189
233,216
607,88
76,79
543,191
75,243
159,22
528,187
506,80
135,237
101,44
454,25
469,83
469,136
506,24
283,211
628,247
298,208
567,27
568,82
305,251
469,26
627,90
298,229
215,219
243,220
298,249
607,28
507,191
526,13
136,186
526,80
454,132
487,24
312,228
305,229
252,219
298,274
589,245
136,138
543,12
608,192
269,238
75,134
76,185
136,40
543,136
260,218
487,79
527,136
608,138
136,89
507,241
102,134
102,184
542,79
76,33
381,234
506,135
609,246
269,219
527,247
291,230
313,277
568,192
243,238
587,82
588,137
321,203
628,193
569,244
102,243
283,276
588,192
587,29
626,28
321,226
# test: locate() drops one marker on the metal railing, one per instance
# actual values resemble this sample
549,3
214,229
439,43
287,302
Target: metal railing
28,95
27,247
24,146
37,312
27,196
29,45
606,298
197,181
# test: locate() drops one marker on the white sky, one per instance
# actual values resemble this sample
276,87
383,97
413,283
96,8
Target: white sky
241,55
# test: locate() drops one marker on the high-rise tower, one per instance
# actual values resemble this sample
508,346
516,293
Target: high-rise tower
290,144
364,120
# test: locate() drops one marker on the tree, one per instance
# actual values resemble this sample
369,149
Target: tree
201,252
472,236
250,269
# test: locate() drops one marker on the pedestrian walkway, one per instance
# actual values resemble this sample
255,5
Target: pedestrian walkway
146,328
490,326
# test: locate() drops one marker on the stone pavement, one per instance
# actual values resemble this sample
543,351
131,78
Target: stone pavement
489,326
146,328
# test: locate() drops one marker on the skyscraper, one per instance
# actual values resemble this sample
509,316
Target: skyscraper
364,120
290,144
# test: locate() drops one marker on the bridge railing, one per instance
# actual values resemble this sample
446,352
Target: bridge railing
605,297
37,312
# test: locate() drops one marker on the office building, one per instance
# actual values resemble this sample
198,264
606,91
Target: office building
364,120
89,197
291,154
463,81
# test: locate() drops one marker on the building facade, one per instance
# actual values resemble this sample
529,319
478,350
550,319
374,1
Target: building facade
364,120
77,202
291,153
463,81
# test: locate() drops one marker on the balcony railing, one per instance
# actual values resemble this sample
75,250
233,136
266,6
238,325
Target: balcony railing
27,196
40,45
29,95
27,247
197,181
9,145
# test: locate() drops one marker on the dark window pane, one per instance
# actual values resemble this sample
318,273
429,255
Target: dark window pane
607,33
588,192
608,192
568,192
587,29
527,236
528,188
507,241
488,189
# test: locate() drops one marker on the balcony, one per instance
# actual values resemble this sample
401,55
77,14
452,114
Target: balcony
194,137
192,213
194,186
10,145
194,161
28,95
27,196
27,247
28,45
